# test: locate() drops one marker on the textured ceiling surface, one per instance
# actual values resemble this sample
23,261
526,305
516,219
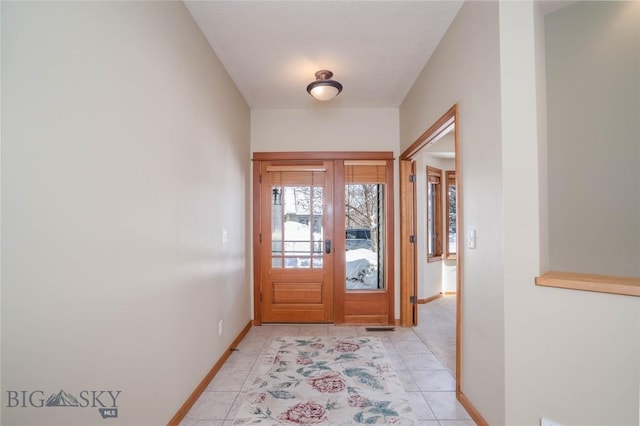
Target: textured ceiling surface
272,49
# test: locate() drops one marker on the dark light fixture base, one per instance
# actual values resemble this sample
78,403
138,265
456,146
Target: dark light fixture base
324,89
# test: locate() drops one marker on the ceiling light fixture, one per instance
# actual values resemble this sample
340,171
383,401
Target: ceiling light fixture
324,89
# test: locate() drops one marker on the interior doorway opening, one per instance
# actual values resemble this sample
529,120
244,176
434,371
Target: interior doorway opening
429,239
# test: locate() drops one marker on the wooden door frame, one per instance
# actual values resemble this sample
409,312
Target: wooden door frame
257,213
408,251
408,279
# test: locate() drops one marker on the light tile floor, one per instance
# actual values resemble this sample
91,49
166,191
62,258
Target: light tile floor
430,387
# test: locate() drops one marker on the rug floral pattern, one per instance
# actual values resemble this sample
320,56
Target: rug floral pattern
326,380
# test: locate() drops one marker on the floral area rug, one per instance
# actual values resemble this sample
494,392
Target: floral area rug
326,380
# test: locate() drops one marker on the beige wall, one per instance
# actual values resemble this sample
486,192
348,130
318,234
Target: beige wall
465,70
593,77
527,352
570,356
449,276
125,152
331,129
325,129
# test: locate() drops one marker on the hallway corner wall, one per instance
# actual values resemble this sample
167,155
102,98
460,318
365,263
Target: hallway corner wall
464,69
125,155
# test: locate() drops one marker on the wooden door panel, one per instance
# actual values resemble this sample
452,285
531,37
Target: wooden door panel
367,308
297,296
296,293
296,280
366,304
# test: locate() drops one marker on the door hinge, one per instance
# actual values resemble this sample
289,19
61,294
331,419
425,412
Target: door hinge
413,299
412,239
260,237
412,178
260,178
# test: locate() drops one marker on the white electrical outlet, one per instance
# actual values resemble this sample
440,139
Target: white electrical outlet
220,325
225,236
547,422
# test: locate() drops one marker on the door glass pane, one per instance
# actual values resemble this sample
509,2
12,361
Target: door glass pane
431,218
276,228
452,219
364,236
296,232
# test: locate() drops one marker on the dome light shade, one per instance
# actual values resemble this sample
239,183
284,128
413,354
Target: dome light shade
324,89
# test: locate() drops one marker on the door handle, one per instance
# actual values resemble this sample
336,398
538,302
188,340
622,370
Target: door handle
327,246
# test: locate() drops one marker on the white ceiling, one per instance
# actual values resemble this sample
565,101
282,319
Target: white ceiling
272,49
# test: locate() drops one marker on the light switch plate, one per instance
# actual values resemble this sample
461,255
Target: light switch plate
471,238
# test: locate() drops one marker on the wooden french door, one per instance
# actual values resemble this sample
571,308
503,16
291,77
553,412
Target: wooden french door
323,238
364,274
297,226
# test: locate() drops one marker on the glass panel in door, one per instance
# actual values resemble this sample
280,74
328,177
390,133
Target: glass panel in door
364,236
297,227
